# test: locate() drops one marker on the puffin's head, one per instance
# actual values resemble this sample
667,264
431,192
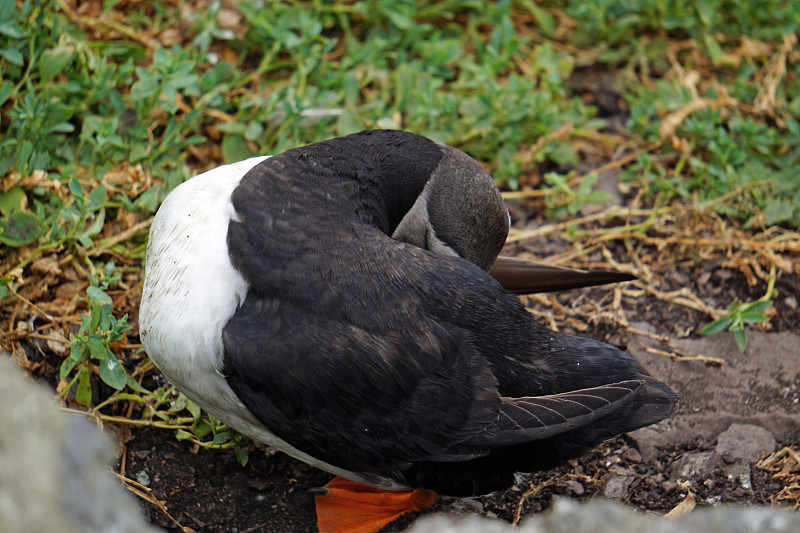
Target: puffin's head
460,212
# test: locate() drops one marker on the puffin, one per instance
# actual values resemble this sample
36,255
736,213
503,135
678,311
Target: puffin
344,303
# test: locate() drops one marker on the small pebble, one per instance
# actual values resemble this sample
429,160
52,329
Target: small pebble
617,487
143,478
571,487
632,455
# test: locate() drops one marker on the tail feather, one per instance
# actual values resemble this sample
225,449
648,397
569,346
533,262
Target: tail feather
630,400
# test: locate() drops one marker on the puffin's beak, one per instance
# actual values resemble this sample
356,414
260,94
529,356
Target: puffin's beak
523,276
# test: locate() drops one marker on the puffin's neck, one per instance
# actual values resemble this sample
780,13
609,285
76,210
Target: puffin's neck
389,170
404,170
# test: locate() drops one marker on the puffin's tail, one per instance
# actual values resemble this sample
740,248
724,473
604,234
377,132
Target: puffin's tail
540,433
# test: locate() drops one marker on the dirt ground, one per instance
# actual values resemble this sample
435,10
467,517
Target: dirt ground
210,492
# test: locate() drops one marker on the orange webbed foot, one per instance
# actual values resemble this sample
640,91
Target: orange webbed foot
347,507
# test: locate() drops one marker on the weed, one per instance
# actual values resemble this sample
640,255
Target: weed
92,344
739,315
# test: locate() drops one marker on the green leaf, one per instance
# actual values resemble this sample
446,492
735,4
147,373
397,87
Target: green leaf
12,56
113,373
562,153
93,229
714,49
97,200
759,306
12,200
19,229
78,348
134,385
83,394
52,62
182,434
97,348
348,123
221,438
75,188
741,338
10,30
237,128
194,409
202,428
750,317
254,131
6,88
179,404
596,197
234,148
97,294
66,367
717,326
778,211
241,456
401,20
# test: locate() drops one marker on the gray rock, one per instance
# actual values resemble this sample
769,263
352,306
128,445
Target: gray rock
568,516
693,466
54,467
571,487
740,446
617,486
745,442
461,505
633,455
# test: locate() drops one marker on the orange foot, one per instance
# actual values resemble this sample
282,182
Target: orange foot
347,507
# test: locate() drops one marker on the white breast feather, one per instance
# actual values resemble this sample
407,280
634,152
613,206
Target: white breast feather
190,292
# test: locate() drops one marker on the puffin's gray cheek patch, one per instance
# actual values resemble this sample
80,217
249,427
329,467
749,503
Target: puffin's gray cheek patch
466,210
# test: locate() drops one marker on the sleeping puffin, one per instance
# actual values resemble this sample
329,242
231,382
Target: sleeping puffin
338,302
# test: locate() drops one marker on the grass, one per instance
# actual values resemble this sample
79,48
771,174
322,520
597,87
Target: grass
105,109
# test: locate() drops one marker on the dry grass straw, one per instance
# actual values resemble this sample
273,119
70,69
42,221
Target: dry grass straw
785,466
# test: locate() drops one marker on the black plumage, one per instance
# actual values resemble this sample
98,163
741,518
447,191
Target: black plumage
386,359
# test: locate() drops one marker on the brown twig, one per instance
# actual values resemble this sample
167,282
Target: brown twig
677,353
108,24
146,494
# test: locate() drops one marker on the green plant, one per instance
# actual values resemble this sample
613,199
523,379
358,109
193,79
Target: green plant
92,343
564,200
739,315
203,426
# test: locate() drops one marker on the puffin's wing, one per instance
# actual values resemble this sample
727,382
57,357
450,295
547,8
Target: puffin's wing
527,419
358,399
523,276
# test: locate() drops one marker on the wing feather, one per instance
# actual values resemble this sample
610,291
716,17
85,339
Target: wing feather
532,418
